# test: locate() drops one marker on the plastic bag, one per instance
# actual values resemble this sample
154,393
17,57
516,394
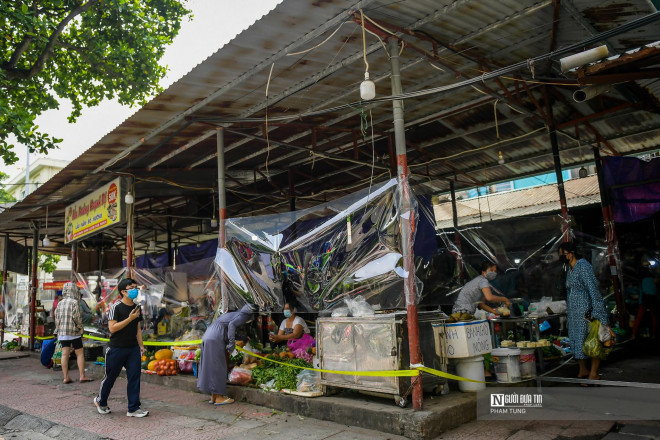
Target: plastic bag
240,376
270,385
339,312
605,334
540,308
308,381
592,346
247,357
359,306
558,306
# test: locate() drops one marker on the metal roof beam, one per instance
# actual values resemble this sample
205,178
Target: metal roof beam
358,56
305,132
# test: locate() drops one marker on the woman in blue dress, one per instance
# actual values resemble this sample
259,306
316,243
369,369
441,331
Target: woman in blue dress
582,298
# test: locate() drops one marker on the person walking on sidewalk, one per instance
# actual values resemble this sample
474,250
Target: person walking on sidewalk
124,350
70,330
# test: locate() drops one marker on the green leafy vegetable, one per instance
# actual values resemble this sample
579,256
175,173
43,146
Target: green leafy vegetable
285,377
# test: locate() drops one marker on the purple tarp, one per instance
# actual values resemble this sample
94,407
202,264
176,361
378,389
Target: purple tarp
639,195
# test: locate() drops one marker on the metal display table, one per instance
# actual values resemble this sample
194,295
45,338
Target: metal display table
531,326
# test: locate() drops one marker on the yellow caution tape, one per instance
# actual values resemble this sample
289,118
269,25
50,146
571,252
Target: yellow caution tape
41,338
97,338
447,375
151,343
382,373
175,343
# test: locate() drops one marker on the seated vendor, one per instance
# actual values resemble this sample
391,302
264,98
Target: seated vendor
293,327
479,290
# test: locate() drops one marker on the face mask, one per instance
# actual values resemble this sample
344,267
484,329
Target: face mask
563,259
287,313
490,275
133,293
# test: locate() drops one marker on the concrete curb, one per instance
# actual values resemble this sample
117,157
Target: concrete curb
440,414
13,354
14,421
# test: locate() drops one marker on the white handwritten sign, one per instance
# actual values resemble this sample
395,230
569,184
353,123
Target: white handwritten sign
467,339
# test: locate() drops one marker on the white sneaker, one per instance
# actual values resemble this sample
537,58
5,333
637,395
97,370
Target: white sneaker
99,408
137,413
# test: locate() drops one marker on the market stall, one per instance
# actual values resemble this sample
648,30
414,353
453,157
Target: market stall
379,343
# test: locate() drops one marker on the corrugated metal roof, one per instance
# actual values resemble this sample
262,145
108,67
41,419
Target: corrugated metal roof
172,137
518,203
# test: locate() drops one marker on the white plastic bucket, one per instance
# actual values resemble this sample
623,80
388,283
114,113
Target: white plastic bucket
471,368
527,363
507,364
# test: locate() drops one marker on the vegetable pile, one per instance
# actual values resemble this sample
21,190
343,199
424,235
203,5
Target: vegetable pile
11,345
285,377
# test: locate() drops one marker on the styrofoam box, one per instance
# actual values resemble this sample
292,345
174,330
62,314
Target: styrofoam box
467,339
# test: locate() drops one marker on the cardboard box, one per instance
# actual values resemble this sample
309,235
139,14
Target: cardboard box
467,339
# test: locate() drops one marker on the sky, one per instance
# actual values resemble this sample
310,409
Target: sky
214,23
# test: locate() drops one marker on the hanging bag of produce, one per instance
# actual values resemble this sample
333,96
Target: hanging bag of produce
592,346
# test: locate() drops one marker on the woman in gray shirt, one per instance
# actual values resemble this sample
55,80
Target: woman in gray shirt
478,291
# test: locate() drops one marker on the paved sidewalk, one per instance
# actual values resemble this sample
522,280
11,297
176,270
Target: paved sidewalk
29,388
35,405
530,430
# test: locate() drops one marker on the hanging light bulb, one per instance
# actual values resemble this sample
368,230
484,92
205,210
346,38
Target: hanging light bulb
152,245
500,158
46,241
367,88
129,198
582,172
214,221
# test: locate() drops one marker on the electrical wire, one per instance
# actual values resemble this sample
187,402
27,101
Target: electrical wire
364,43
318,45
267,137
497,127
343,189
381,42
169,182
485,147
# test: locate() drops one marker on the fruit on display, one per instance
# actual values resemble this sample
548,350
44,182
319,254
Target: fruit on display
458,317
166,367
164,354
152,365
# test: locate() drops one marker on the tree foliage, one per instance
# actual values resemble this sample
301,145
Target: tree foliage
81,50
48,262
5,197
